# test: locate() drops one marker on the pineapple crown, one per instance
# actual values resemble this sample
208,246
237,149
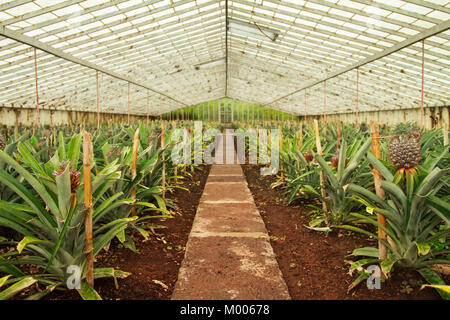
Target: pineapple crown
406,128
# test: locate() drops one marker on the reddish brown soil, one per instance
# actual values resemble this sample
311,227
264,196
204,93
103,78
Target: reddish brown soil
158,259
312,263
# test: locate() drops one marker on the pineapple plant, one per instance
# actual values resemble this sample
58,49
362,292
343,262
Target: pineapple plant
404,148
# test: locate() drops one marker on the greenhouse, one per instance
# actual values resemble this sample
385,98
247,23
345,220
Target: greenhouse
224,150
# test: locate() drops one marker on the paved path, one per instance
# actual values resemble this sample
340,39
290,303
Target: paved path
228,254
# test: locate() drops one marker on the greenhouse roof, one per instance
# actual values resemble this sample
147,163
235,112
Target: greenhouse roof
298,56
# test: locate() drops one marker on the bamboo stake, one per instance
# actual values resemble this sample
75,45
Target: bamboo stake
382,251
319,151
87,147
134,168
128,103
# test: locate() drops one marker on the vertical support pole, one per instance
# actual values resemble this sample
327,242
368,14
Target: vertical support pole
305,105
128,103
422,111
376,150
357,96
38,117
319,151
134,168
325,103
148,106
87,150
98,102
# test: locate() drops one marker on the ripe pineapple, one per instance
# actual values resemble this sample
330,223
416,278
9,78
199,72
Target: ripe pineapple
404,147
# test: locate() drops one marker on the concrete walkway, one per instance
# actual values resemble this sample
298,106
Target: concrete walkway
228,254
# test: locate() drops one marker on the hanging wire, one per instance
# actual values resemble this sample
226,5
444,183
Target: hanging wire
98,102
325,102
128,103
422,122
38,118
357,96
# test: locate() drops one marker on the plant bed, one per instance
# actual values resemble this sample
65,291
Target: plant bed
313,263
154,269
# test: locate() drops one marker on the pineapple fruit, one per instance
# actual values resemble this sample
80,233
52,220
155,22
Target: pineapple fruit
404,147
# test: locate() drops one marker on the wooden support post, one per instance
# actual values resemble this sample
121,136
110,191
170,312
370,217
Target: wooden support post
87,150
376,150
134,169
319,151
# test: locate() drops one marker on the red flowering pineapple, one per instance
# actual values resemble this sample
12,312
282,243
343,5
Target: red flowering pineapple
335,161
74,178
309,156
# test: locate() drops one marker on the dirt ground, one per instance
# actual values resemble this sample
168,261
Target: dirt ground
154,270
312,263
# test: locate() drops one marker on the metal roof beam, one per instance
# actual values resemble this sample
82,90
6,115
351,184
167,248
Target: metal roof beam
61,54
418,37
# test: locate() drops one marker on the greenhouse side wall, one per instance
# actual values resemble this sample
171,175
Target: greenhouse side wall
433,117
9,116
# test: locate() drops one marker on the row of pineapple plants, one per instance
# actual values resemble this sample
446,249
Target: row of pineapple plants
42,192
415,167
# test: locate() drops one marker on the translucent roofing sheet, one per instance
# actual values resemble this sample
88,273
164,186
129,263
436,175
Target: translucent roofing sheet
271,51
